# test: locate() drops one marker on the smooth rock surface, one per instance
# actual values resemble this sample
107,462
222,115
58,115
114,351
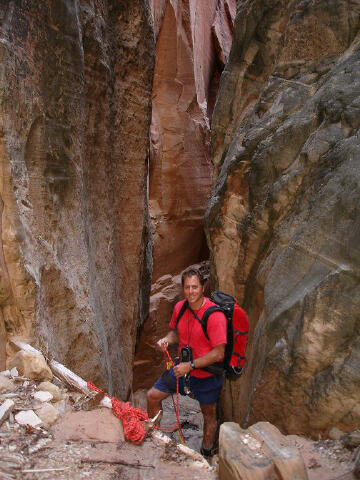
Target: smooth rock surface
31,365
99,425
43,396
28,417
283,220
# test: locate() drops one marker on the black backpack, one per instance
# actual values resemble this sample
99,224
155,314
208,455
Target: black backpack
237,333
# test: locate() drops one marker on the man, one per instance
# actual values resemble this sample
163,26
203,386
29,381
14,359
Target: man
205,386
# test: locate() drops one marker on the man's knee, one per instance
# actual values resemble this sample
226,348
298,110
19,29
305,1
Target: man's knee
154,395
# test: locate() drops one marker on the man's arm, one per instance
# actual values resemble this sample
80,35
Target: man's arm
170,339
215,355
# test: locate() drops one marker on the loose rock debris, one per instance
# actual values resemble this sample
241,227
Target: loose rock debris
85,441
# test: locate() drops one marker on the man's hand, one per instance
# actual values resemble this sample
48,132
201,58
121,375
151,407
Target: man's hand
182,369
163,343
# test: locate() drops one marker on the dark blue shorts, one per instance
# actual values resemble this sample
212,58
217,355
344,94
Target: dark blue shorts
205,390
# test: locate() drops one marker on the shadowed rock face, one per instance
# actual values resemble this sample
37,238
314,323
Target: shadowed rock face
283,221
76,81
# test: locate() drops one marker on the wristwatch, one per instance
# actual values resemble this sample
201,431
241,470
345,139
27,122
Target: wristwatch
192,364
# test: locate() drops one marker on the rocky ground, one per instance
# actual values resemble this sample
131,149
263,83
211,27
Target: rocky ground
48,431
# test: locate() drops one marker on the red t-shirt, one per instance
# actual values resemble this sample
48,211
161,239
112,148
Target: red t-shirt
190,332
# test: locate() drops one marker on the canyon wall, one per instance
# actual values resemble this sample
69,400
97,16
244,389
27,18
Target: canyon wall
193,43
75,259
283,222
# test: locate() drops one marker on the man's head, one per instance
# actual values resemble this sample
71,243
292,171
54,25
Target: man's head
193,287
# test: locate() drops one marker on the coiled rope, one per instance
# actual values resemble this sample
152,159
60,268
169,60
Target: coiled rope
133,417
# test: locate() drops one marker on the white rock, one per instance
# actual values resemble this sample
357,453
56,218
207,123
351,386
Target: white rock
7,385
28,417
14,372
5,373
43,396
53,389
48,414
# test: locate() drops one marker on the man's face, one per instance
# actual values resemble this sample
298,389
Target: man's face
193,290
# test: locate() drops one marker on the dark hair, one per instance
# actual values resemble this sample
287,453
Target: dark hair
191,272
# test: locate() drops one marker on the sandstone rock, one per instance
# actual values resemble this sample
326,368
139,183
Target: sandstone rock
5,409
100,425
53,389
31,365
352,440
261,452
192,45
76,84
287,459
48,414
240,455
6,384
335,433
28,417
43,396
283,219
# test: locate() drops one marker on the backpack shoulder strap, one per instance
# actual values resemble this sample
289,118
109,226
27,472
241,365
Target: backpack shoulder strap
181,313
206,316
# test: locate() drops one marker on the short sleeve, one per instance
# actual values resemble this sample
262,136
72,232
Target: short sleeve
174,315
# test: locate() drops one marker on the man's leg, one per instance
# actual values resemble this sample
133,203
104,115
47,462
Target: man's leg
154,400
210,425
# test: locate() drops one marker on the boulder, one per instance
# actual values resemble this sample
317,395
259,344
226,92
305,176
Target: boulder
28,417
31,365
53,389
48,414
99,425
240,455
261,452
6,384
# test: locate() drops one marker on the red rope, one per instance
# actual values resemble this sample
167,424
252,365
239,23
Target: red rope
131,417
169,363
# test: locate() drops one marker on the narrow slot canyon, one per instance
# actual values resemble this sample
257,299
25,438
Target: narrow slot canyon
137,139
